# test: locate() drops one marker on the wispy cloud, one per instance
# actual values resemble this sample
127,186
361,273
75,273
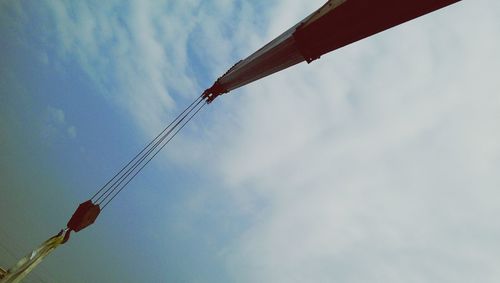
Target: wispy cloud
54,125
377,163
145,56
122,56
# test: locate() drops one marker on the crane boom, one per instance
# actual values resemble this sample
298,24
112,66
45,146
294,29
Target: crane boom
336,24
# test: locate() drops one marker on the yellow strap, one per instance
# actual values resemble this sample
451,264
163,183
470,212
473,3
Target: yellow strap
29,262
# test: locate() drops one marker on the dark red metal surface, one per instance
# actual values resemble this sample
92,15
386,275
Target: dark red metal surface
357,19
85,215
334,25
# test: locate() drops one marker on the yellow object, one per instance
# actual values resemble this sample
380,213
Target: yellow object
29,262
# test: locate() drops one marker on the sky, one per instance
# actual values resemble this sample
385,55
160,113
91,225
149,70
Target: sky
377,163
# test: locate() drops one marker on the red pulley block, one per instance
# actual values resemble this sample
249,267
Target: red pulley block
85,215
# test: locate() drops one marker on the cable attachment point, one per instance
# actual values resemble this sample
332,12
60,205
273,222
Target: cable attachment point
84,216
213,92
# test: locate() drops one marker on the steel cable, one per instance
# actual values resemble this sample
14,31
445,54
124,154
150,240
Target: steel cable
137,163
128,172
151,158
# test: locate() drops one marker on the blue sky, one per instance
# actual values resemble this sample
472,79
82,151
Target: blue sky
377,163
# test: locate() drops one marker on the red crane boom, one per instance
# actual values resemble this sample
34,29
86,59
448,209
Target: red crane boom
334,25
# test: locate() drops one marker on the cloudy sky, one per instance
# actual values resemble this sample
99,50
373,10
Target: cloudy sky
377,163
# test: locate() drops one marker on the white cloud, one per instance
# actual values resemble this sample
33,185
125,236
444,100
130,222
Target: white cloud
138,52
71,130
377,163
54,126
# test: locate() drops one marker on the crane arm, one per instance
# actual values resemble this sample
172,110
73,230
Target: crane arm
334,25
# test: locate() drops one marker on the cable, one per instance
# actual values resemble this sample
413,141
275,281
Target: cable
183,113
124,176
140,169
137,155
